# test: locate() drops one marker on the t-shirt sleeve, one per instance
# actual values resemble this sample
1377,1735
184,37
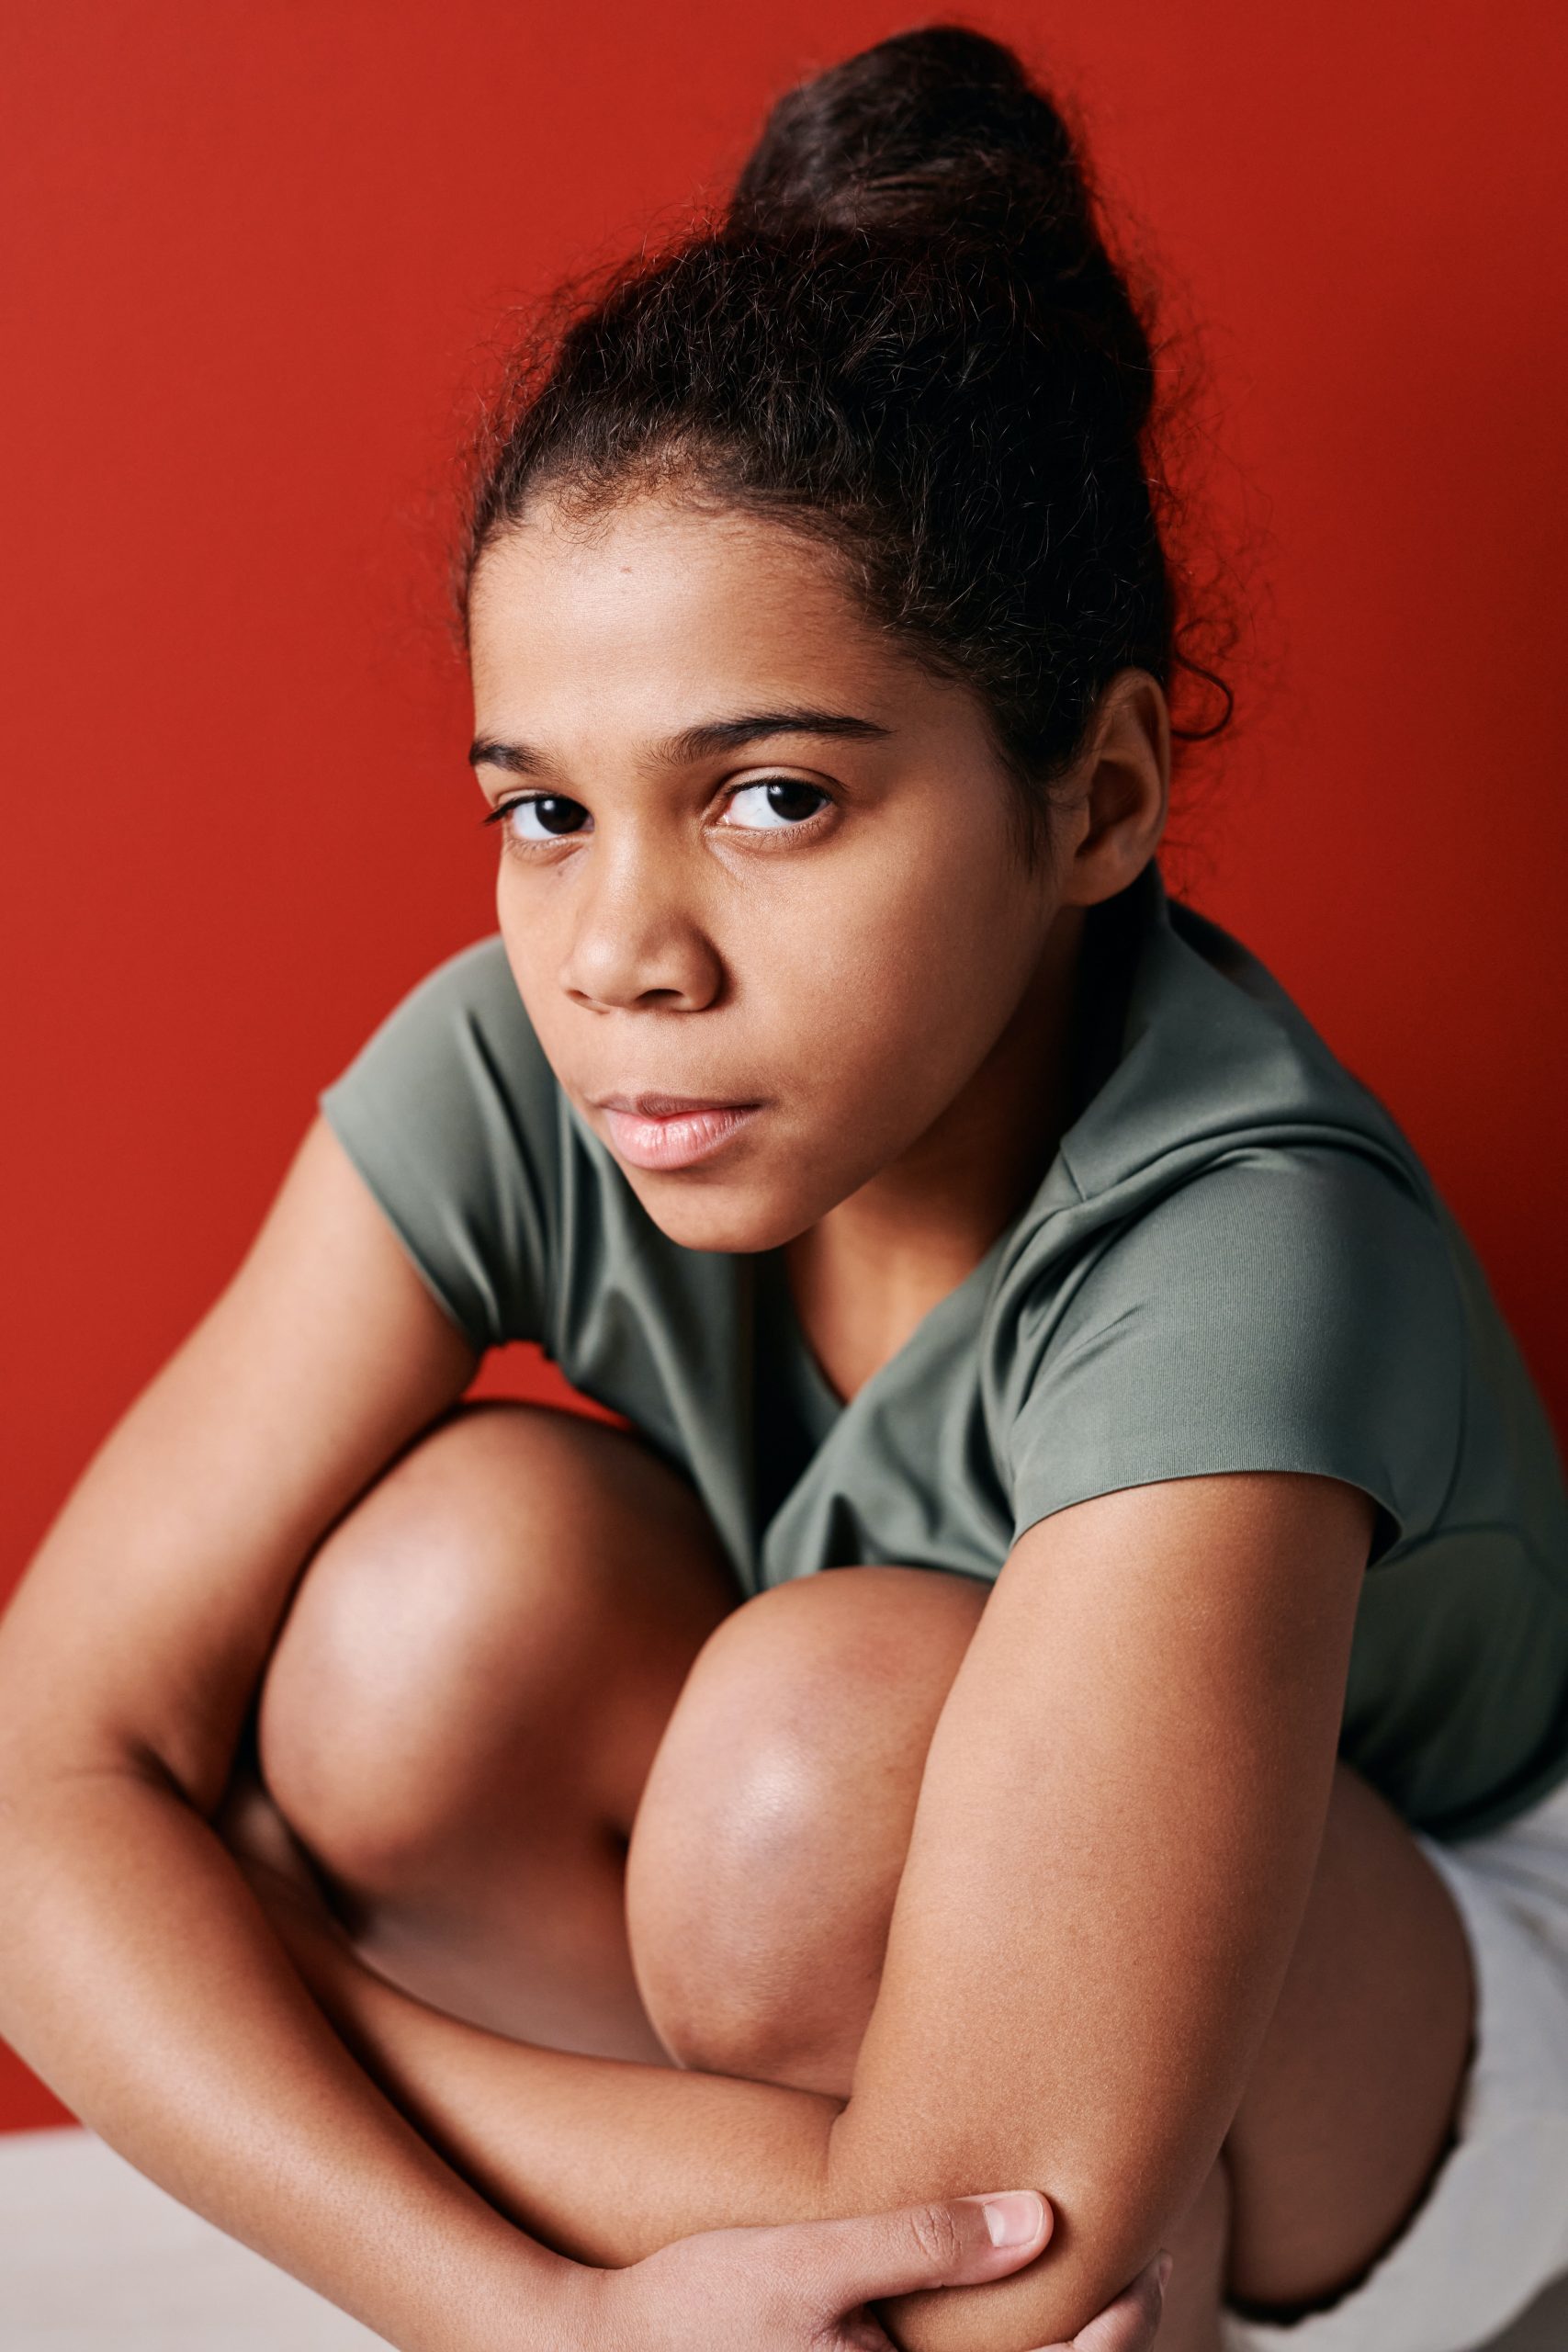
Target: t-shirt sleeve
1285,1309
450,1114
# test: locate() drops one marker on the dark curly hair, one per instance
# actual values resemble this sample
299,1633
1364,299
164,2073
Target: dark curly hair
906,336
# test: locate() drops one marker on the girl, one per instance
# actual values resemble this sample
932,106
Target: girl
480,1857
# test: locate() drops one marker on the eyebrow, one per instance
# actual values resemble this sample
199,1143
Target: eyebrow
701,742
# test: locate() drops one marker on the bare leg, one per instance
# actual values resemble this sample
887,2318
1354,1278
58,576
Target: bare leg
459,1721
461,1709
758,1900
776,1819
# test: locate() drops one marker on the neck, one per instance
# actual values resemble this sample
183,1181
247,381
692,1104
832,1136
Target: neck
865,1275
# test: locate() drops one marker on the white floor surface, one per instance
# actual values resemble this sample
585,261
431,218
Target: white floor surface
93,2258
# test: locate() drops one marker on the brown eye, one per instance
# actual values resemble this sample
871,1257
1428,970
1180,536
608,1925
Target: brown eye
774,807
544,816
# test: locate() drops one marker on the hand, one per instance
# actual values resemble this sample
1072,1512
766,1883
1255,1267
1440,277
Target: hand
805,2286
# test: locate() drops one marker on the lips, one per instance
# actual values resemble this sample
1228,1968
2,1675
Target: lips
669,1131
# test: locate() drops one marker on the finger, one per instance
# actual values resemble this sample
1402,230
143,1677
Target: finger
949,2242
1131,2322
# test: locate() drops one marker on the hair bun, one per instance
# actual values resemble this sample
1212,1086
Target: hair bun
910,338
938,130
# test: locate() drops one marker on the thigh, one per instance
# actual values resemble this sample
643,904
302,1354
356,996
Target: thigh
463,1703
1352,2101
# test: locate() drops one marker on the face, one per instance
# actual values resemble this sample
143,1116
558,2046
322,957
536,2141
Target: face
759,881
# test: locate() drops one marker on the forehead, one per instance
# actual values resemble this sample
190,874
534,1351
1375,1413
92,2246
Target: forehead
656,608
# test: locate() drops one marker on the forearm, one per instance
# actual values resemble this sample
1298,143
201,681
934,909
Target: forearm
606,2159
141,1977
610,2160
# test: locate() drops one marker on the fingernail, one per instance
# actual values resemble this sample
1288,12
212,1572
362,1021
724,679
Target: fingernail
1015,2217
1163,2269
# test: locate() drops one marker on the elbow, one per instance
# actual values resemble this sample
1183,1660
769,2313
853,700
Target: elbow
1108,2224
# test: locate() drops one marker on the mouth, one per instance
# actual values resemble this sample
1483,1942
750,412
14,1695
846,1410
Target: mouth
667,1131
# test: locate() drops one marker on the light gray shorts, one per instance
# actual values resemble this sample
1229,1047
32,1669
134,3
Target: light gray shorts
1493,2230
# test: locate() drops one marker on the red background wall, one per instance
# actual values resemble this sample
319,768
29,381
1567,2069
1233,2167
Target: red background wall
257,251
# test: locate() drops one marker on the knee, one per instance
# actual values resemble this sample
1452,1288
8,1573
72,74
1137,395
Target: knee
436,1640
772,1833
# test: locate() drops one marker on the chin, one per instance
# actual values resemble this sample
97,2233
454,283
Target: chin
734,1218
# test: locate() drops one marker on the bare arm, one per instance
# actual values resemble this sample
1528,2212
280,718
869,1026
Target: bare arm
142,1977
1115,1840
1117,1832
138,1973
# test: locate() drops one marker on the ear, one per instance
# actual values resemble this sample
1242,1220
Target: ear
1112,811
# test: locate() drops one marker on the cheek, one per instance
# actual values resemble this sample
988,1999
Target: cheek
908,957
534,956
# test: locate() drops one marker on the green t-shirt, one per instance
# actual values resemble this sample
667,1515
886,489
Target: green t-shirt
1235,1261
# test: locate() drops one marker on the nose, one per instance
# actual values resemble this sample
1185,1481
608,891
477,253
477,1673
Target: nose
637,941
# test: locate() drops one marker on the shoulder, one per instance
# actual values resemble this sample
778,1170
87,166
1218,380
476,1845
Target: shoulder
1310,1245
1239,1262
468,1002
457,1056
452,1115
1226,1151
1285,1307
1215,1056
1307,1251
